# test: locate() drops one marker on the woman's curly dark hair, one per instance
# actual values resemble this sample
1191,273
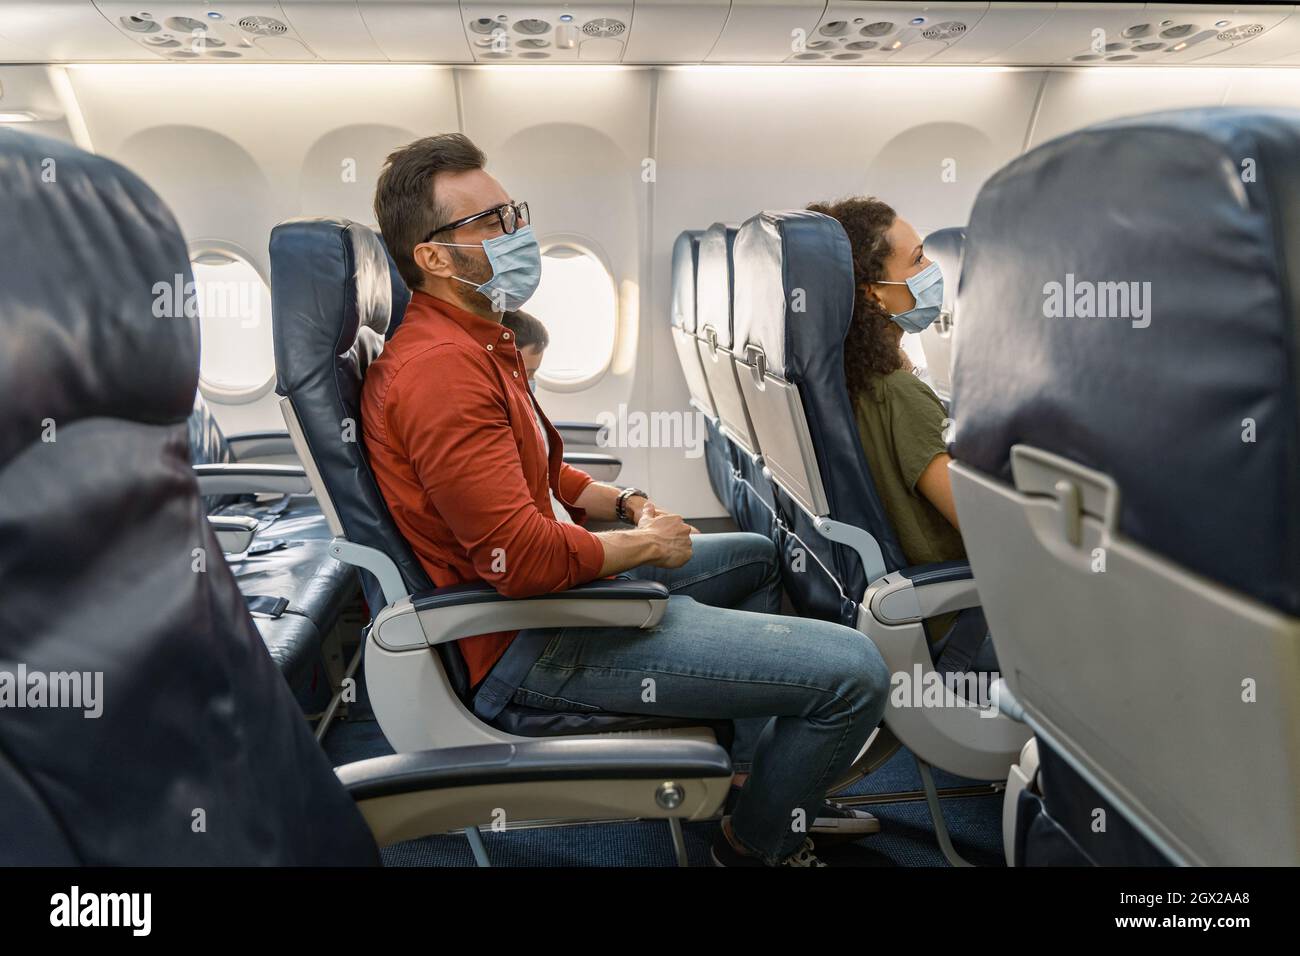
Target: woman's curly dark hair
870,347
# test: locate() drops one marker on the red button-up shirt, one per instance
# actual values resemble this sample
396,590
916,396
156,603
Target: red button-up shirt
449,427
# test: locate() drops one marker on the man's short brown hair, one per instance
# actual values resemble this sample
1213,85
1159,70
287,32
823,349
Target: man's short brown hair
406,204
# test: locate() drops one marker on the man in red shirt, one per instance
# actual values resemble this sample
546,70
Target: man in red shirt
467,461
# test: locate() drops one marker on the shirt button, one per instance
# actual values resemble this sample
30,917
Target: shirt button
515,374
505,335
489,348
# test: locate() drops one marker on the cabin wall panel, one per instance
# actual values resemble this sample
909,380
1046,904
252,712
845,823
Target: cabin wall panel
233,151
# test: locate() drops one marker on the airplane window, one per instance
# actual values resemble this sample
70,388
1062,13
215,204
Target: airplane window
237,356
577,301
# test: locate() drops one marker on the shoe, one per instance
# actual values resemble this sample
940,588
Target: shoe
837,823
724,854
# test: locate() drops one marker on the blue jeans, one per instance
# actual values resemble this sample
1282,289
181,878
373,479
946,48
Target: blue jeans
805,694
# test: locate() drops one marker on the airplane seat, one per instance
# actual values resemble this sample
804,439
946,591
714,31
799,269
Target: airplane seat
1125,472
294,589
793,307
943,246
751,502
331,300
109,569
717,456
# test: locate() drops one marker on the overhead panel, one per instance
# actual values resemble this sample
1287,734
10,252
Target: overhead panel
1226,36
1077,33
53,31
854,31
332,29
542,31
675,31
197,32
417,31
1003,25
766,31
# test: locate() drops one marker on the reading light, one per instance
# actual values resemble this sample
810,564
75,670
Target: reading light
566,17
213,15
917,21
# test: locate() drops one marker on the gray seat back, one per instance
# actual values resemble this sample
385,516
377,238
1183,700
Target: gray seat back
1127,444
686,252
714,331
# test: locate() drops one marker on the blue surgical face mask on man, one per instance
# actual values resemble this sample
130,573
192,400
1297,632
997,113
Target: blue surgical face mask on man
516,262
927,289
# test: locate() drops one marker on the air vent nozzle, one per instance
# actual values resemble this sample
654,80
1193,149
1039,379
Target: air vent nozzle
139,24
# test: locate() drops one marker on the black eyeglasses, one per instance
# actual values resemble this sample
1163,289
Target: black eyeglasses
511,215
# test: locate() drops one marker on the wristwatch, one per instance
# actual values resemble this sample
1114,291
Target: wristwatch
620,503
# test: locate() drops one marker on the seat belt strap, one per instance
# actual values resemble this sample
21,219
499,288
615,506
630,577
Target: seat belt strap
962,642
264,605
509,672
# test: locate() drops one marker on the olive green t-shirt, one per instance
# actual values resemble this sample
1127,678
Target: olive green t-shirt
900,421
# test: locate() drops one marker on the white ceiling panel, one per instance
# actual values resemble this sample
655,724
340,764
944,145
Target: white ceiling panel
766,31
675,31
1002,26
422,31
61,30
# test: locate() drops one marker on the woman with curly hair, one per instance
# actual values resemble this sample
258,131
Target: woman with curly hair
900,420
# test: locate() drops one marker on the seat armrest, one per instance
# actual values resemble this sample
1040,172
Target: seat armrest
448,614
922,591
600,466
408,795
272,443
234,532
938,573
460,595
233,478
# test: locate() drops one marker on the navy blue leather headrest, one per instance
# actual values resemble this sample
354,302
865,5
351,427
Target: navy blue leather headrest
1128,301
944,246
714,279
794,300
105,327
685,259
331,296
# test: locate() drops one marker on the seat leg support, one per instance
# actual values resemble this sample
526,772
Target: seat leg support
679,840
936,814
328,717
476,845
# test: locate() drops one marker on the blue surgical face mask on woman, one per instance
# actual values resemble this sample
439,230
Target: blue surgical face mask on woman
516,262
927,289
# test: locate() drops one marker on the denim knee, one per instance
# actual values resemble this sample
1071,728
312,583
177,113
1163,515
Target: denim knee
855,670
